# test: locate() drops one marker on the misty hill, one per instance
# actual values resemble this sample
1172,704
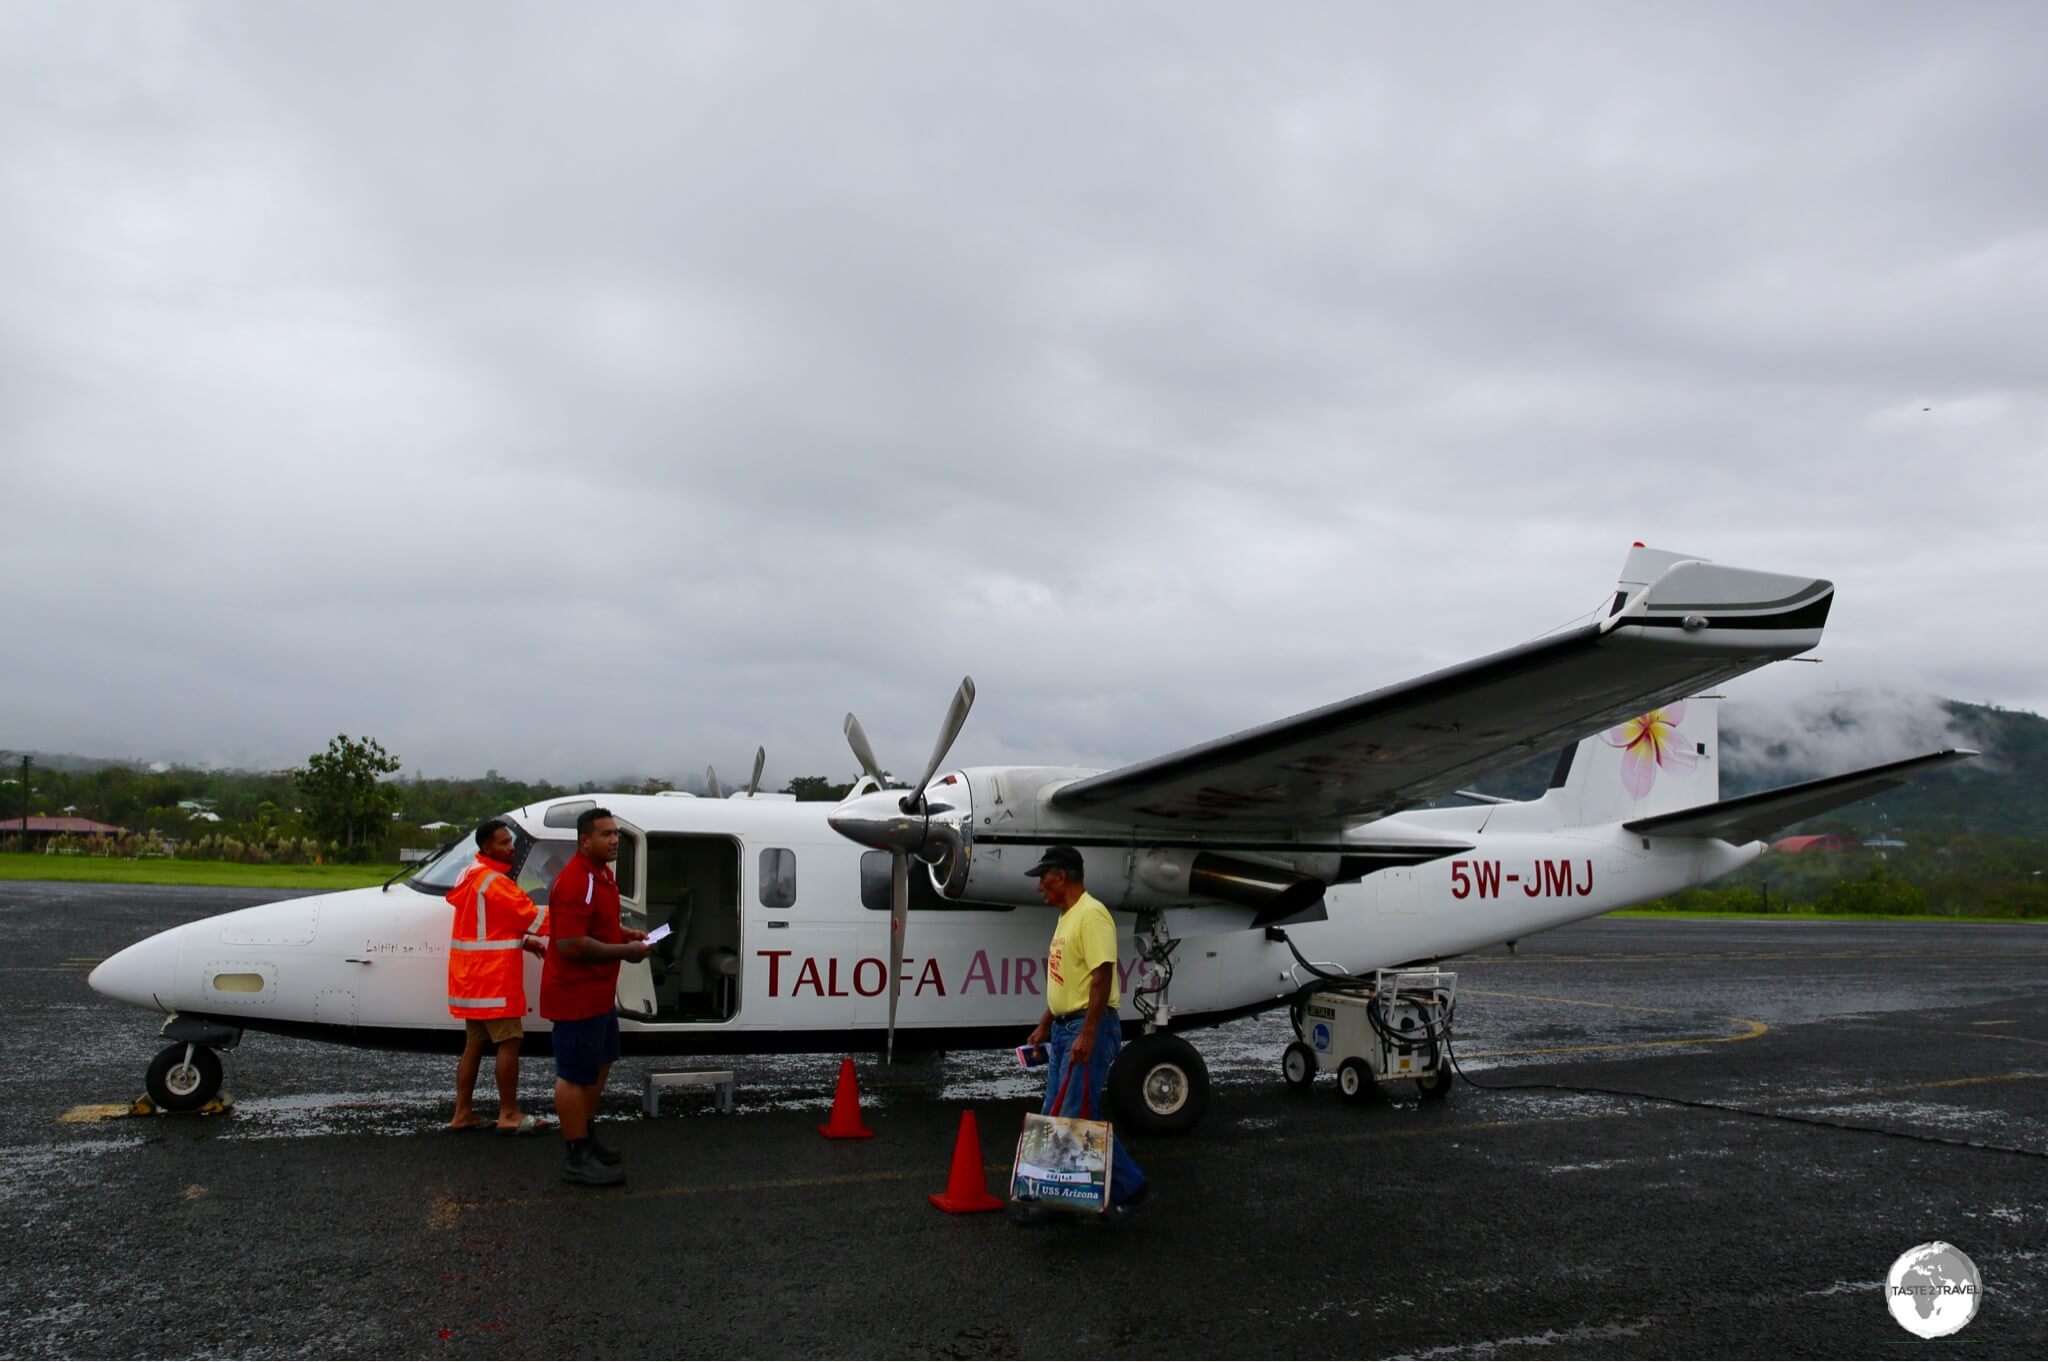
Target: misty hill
71,763
2004,793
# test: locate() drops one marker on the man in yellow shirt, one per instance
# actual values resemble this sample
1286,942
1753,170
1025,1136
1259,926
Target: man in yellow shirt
1080,1027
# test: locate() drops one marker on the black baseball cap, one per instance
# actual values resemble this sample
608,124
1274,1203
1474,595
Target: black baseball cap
1061,858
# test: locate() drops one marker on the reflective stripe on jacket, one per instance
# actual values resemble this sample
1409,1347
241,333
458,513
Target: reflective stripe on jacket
486,972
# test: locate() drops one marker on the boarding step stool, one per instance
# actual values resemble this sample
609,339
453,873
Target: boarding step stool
720,1081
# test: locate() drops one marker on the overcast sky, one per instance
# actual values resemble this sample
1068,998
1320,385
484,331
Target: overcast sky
586,390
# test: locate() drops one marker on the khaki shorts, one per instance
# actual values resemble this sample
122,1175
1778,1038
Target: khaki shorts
497,1030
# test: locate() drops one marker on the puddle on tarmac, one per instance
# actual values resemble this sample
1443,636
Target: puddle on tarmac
1686,1158
31,1168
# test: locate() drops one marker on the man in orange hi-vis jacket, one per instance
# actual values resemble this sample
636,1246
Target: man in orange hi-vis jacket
494,921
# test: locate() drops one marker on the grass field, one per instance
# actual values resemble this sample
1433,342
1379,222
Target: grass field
1816,917
226,874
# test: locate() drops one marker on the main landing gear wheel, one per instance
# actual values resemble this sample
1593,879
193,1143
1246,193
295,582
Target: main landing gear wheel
183,1077
1159,1085
1353,1080
1298,1064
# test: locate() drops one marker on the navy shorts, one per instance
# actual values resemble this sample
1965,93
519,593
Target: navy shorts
584,1046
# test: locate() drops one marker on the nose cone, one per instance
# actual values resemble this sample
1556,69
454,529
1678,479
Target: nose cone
877,820
145,974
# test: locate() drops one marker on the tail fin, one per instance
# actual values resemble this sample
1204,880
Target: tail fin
1659,762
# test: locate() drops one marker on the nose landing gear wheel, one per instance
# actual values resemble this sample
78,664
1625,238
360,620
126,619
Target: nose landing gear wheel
183,1077
1298,1065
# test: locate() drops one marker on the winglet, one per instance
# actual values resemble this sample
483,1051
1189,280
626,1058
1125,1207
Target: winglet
1705,606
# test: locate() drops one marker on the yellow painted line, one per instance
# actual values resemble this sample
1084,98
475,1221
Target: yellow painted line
1752,1028
93,1111
445,1211
1995,1023
1419,1132
1582,1002
1894,1088
1992,1035
1972,1035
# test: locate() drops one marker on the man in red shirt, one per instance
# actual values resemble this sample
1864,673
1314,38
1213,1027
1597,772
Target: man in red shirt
579,986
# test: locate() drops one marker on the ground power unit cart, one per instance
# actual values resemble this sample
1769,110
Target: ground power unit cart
1394,1026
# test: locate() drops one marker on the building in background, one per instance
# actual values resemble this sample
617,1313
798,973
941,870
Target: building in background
1828,841
37,832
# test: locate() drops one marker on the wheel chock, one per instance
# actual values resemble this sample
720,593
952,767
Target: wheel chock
214,1106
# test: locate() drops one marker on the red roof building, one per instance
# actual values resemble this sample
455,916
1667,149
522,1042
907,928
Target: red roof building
43,829
1832,841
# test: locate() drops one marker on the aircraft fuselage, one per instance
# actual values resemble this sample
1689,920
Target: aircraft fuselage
796,958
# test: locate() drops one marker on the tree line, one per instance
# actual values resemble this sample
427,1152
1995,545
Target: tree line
349,802
1967,875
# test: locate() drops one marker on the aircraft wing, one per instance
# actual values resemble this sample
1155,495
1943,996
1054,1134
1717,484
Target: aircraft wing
1694,627
1752,818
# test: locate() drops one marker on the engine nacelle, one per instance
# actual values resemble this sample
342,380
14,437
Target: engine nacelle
1275,890
995,825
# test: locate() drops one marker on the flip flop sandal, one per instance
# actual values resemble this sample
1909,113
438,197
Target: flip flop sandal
469,1129
528,1125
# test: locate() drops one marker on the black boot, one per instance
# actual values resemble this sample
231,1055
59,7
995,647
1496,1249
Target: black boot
581,1166
599,1150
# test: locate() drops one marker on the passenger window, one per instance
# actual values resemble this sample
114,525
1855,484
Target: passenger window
778,877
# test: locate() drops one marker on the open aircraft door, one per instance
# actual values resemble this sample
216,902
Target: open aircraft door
636,978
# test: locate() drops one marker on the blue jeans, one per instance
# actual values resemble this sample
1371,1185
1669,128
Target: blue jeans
1086,1088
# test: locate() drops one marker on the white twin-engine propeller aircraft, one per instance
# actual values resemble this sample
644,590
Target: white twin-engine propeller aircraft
790,922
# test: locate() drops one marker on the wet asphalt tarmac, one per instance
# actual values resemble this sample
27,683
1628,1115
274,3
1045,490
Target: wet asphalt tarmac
329,1216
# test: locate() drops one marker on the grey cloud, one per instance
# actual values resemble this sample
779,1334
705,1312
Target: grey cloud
1170,368
1827,733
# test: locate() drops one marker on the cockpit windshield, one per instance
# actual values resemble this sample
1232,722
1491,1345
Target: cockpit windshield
439,875
535,863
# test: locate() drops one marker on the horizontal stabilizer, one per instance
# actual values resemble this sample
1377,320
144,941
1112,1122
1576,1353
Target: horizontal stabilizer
1752,818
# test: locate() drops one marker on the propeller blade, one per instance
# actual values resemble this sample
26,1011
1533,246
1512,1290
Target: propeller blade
711,779
857,739
899,922
956,718
760,762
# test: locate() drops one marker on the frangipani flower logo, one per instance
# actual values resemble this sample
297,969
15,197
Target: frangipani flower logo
1650,741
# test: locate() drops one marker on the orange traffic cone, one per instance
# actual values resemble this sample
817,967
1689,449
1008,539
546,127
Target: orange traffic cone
845,1123
967,1186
